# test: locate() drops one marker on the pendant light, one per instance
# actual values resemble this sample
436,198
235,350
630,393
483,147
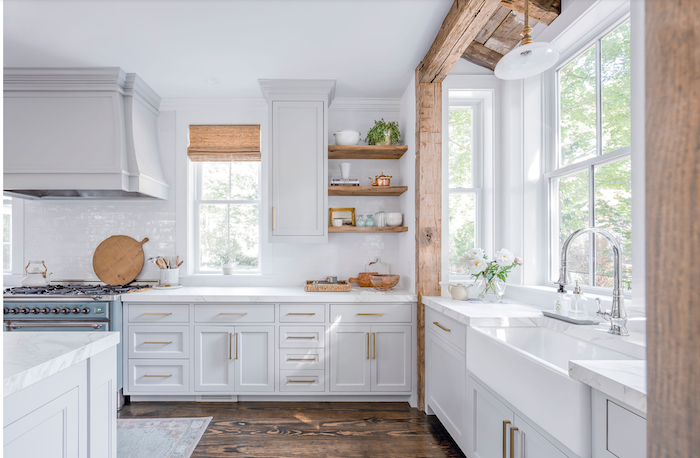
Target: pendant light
528,59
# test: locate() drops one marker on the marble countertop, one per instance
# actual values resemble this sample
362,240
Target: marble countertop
265,294
622,380
29,357
477,313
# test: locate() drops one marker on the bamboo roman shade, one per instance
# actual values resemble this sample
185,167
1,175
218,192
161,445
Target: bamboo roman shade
224,143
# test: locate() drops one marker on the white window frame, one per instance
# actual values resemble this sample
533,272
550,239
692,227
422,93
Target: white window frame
197,201
482,93
589,165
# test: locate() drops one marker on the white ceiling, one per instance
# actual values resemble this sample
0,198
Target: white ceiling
371,47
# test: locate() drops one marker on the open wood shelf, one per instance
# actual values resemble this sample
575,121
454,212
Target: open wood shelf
366,190
366,229
366,151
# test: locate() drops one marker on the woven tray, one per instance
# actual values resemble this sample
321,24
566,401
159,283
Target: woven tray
322,286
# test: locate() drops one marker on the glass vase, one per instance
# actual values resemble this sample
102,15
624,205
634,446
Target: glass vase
491,290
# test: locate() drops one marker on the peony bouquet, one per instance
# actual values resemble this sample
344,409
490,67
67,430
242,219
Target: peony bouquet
491,270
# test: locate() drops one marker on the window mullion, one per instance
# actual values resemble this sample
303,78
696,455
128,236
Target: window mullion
591,223
599,96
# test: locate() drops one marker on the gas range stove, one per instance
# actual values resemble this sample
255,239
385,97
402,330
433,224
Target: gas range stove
69,292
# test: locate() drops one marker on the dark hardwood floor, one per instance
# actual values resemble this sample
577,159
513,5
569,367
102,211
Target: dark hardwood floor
308,429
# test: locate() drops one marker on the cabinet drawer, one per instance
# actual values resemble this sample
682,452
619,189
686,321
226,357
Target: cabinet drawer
371,313
302,358
163,376
159,342
230,313
302,381
311,313
159,313
447,328
302,336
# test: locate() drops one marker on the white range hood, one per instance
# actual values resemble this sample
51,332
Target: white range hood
81,133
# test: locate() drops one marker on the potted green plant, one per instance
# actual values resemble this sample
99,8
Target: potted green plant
384,133
227,256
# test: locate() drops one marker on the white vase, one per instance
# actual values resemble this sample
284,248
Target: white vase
228,267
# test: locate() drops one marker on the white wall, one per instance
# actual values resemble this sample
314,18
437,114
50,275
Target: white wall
65,234
407,201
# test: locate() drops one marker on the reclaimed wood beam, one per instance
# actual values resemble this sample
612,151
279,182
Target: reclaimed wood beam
544,11
461,25
672,161
480,55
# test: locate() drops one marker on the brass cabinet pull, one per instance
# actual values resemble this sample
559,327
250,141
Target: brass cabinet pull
367,314
161,343
301,381
274,218
438,325
165,313
233,313
301,359
512,445
236,337
374,346
505,429
166,376
301,313
230,337
368,345
301,337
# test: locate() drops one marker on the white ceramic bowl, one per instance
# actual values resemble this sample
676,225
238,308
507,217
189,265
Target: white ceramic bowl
347,137
393,219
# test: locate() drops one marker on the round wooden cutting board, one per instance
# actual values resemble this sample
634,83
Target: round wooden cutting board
118,260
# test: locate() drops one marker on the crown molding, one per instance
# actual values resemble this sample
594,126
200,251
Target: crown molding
64,78
325,88
137,85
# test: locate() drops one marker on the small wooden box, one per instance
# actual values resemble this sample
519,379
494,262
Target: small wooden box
322,286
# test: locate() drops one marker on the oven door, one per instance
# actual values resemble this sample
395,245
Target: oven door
53,326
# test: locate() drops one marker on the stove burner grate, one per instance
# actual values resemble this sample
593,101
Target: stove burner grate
69,290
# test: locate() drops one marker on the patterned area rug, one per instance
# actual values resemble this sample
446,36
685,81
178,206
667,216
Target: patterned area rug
159,437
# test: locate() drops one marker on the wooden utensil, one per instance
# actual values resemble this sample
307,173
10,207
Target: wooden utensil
363,279
118,260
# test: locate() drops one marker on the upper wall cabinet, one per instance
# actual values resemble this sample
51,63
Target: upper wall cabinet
298,111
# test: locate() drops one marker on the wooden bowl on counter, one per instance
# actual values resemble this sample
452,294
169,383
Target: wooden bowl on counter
384,282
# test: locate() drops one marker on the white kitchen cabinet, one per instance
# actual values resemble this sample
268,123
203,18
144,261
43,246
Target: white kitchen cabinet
214,355
391,358
299,161
446,385
102,410
371,358
619,430
229,358
495,431
350,358
254,358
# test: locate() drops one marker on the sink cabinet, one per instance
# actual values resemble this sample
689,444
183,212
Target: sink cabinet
498,431
619,431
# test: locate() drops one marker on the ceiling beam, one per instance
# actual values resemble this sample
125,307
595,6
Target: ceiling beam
544,11
461,25
480,55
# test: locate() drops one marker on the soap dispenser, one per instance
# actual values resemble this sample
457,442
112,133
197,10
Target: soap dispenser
561,304
578,304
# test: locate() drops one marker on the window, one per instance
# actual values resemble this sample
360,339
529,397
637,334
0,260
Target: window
226,210
7,235
462,193
591,181
226,197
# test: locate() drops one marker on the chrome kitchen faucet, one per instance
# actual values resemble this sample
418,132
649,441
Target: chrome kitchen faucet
617,316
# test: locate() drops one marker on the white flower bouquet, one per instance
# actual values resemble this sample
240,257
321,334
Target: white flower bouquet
491,270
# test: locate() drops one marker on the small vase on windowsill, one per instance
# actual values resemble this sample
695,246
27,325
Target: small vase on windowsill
228,267
491,290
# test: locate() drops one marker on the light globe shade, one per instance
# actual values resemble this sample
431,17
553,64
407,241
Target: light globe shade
526,61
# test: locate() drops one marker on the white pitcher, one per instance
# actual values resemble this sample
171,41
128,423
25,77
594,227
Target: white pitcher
459,291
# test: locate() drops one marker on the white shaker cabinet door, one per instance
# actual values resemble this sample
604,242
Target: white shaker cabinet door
253,348
531,444
350,358
214,354
488,425
391,358
299,154
446,386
